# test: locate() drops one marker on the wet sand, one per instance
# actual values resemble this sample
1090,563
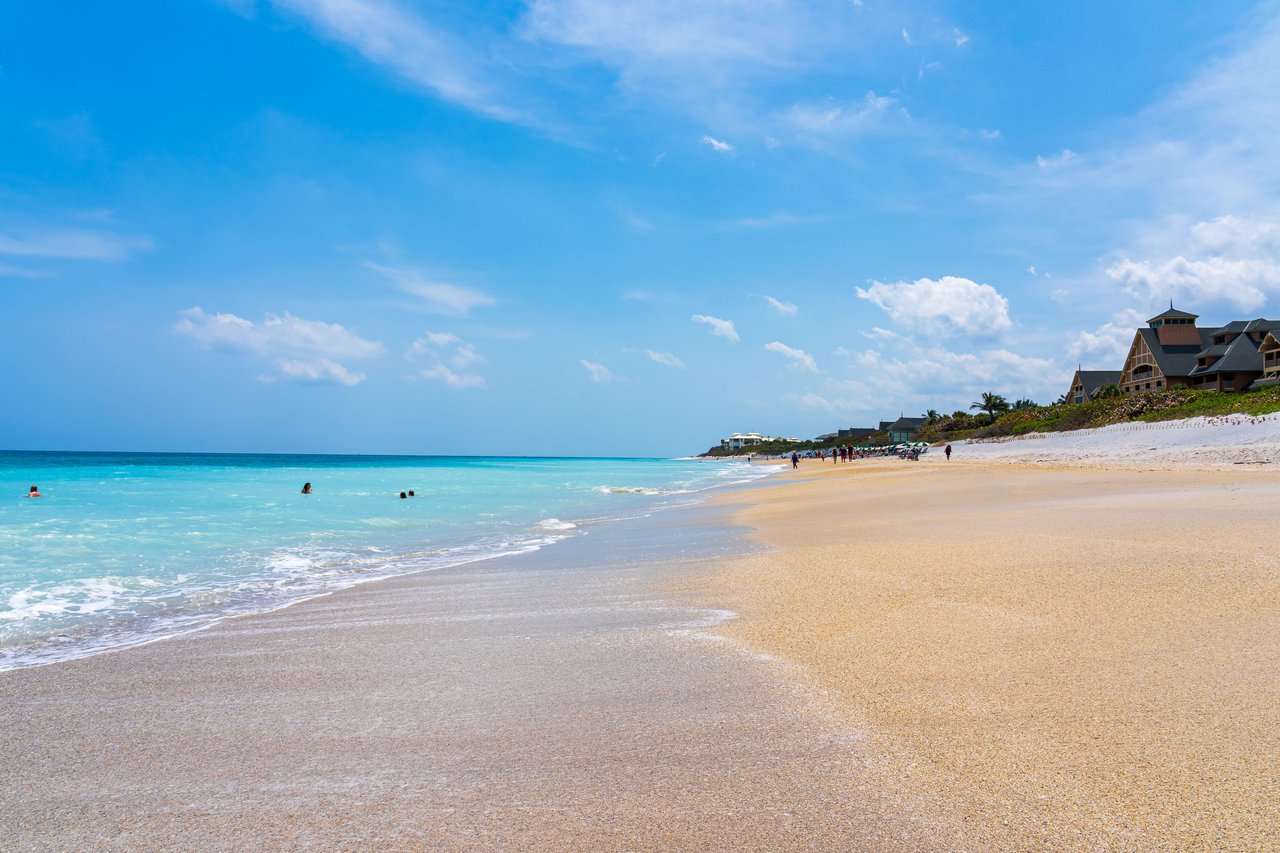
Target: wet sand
552,701
1047,657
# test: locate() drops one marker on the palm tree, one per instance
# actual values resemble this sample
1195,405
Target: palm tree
992,403
932,415
1024,404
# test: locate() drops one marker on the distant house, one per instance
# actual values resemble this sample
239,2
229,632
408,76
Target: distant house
739,440
1172,351
884,426
1085,384
855,432
903,429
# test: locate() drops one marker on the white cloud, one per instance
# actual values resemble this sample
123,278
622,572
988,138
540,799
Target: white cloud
906,36
989,134
1235,260
835,119
440,297
780,306
719,328
451,355
441,373
798,357
320,370
597,372
949,305
901,375
302,350
1107,345
664,358
959,38
1057,161
388,34
1031,270
75,244
717,144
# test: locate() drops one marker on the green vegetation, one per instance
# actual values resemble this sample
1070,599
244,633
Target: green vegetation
1111,407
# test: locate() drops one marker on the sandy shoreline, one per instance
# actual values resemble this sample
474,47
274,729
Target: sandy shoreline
550,701
951,656
1056,657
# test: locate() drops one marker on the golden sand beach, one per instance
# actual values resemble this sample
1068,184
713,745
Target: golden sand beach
1051,658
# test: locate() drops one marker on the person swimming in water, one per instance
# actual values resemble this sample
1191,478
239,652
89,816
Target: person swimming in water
411,493
306,488
34,493
403,496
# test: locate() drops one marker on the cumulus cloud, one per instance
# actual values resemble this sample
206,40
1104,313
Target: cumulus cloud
950,305
719,328
664,358
717,144
598,372
438,297
449,357
301,350
1232,259
1109,343
780,306
901,375
798,357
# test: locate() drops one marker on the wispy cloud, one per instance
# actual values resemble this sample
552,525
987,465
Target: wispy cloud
75,244
782,307
717,144
388,34
451,359
719,328
798,357
598,372
438,297
664,358
301,350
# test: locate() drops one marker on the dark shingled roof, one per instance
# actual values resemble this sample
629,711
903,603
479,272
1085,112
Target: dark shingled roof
1173,314
907,423
1239,356
1258,325
1174,360
1092,380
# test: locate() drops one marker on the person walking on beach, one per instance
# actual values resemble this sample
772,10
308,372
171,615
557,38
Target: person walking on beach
795,460
306,488
34,493
948,452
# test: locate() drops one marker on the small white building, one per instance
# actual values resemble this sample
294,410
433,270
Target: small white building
739,440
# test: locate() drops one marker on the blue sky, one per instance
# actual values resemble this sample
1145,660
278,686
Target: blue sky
565,226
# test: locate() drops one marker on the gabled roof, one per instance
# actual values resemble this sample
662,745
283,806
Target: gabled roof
1173,314
1240,356
1239,326
907,423
1092,380
1175,359
884,426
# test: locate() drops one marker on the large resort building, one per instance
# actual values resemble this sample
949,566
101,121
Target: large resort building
1172,351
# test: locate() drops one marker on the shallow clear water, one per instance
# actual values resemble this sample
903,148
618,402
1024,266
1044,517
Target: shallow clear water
124,548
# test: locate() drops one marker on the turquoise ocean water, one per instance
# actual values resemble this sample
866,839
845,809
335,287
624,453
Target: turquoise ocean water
125,548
